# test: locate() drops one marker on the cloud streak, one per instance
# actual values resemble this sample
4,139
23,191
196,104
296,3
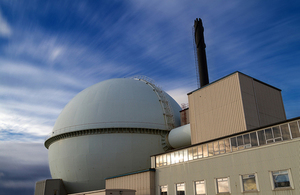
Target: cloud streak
5,29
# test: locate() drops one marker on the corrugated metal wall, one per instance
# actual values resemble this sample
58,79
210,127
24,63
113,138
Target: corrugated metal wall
270,105
143,183
216,110
231,105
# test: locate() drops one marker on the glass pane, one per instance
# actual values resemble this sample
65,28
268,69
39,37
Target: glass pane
164,159
173,158
222,146
200,151
294,129
210,149
253,139
205,154
261,137
180,155
180,188
222,185
240,140
227,145
168,159
285,132
157,161
163,190
185,155
216,148
269,134
195,152
176,157
276,132
233,143
200,187
190,153
281,179
249,183
246,139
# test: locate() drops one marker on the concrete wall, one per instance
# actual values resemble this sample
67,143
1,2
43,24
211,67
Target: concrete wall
50,187
260,160
143,183
233,104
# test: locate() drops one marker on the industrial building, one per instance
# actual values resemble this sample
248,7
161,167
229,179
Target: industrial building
127,136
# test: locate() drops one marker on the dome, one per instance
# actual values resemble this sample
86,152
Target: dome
116,103
109,129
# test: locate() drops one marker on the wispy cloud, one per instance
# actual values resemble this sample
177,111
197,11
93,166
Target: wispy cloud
5,29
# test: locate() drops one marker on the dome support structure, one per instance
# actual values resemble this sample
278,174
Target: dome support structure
167,110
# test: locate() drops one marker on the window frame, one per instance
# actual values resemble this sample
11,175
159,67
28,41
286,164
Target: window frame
195,188
159,189
176,187
242,183
217,186
282,188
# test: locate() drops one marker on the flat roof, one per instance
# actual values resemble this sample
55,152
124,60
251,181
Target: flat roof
233,74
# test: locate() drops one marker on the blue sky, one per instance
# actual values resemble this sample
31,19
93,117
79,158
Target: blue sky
51,50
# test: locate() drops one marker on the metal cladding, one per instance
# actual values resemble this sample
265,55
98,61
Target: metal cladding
201,55
116,103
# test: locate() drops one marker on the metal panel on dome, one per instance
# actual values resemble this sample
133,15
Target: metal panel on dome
112,104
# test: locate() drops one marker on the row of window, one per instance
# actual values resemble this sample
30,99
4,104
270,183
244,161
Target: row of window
257,138
279,180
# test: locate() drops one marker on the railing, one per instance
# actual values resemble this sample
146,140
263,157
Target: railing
261,137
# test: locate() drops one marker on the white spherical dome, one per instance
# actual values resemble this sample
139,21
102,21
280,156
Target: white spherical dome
115,103
108,129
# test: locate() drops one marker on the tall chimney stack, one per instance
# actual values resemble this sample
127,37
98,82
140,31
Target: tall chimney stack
201,54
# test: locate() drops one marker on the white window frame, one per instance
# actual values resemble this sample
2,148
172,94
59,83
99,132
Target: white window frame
195,189
159,188
176,187
216,185
242,183
282,188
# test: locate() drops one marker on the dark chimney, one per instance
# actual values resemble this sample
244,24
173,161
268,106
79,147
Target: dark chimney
201,55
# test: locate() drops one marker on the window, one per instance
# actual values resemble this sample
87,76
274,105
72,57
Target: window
233,144
249,182
180,189
163,190
227,145
253,139
222,146
205,154
261,137
200,187
222,185
294,129
216,148
285,132
210,149
281,179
